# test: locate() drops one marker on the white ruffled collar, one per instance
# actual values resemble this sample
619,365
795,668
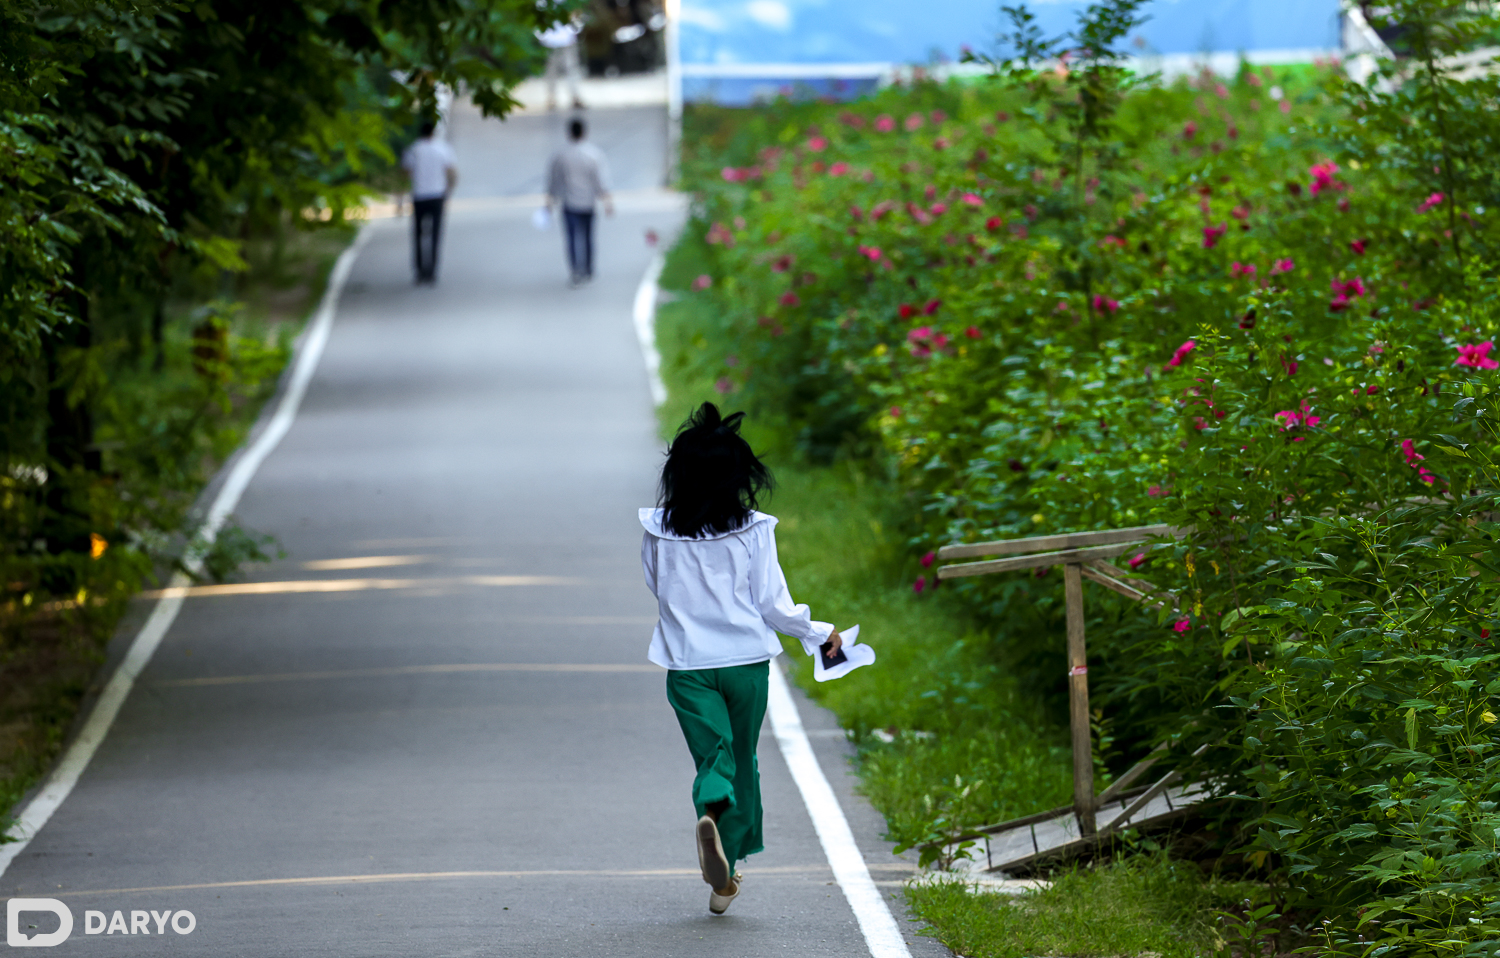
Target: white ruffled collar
651,522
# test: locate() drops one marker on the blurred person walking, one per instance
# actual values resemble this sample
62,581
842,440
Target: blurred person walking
432,168
577,179
561,41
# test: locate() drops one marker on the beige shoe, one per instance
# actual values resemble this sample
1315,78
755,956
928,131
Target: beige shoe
717,903
711,860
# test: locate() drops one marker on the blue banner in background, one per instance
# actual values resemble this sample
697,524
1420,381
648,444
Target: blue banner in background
730,50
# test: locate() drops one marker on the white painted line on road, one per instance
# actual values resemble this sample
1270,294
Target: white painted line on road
73,762
645,327
882,935
359,585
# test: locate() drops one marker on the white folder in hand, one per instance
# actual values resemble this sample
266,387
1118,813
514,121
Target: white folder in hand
855,655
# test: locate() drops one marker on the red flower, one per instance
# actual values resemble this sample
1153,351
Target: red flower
931,306
972,332
993,223
1135,561
896,412
1282,266
1323,178
1358,246
1211,235
873,252
789,298
928,559
1180,354
919,334
1477,356
1189,130
906,310
1103,304
919,585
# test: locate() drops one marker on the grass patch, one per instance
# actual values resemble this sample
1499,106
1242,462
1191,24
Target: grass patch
1148,904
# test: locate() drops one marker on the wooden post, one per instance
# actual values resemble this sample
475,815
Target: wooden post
1078,702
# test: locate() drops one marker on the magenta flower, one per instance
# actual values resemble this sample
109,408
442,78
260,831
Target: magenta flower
882,208
918,214
1431,201
1155,492
1189,130
1180,354
1358,246
790,298
1135,561
972,332
723,385
1236,269
931,306
1211,235
928,559
1354,288
838,169
1103,304
1476,356
817,144
1322,174
895,412
703,282
1413,458
993,223
914,122
873,252
919,585
1295,418
972,199
884,123
1182,625
1282,266
919,334
938,209
938,116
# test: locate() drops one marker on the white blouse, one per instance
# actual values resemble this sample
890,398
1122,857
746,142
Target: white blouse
721,599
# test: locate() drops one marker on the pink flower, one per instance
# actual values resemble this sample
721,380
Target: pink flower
817,144
884,123
972,199
1322,174
782,263
1282,266
703,282
1235,269
1182,625
855,212
1431,201
1358,246
1409,450
938,116
1180,354
1286,107
723,385
790,298
1103,304
1477,356
1135,561
1189,130
882,208
938,209
918,214
873,252
972,332
732,175
1294,418
993,223
838,169
919,334
895,412
928,559
914,122
919,585
1211,235
931,306
1222,91
940,340
1156,491
941,143
1353,288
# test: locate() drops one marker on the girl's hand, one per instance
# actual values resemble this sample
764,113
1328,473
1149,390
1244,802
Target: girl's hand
835,641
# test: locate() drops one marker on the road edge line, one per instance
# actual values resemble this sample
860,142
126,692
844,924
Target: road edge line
876,923
643,312
75,760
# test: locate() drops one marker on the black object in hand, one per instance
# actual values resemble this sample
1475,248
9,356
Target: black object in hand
832,658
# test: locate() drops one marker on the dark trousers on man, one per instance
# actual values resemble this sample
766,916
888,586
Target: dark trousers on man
579,232
427,230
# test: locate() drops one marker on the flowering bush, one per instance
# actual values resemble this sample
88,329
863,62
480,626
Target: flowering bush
1192,305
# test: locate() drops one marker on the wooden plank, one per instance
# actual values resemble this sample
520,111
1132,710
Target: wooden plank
1123,783
1078,701
1064,540
990,566
1143,800
1113,584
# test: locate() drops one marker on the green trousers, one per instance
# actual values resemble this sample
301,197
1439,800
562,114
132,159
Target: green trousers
720,711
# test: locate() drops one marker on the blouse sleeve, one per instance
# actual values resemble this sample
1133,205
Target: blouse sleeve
773,599
648,560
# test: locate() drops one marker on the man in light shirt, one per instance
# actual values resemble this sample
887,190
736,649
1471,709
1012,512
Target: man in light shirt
433,171
561,42
577,179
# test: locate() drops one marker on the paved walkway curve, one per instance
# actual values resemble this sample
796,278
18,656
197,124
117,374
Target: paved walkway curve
452,745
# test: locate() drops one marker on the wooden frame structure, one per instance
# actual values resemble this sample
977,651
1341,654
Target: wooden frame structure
1083,555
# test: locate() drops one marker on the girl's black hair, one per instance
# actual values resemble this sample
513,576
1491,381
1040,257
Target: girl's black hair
711,480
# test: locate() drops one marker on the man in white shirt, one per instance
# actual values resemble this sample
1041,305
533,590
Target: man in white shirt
577,179
561,42
433,171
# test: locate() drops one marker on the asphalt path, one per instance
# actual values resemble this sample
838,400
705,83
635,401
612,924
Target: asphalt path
430,729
